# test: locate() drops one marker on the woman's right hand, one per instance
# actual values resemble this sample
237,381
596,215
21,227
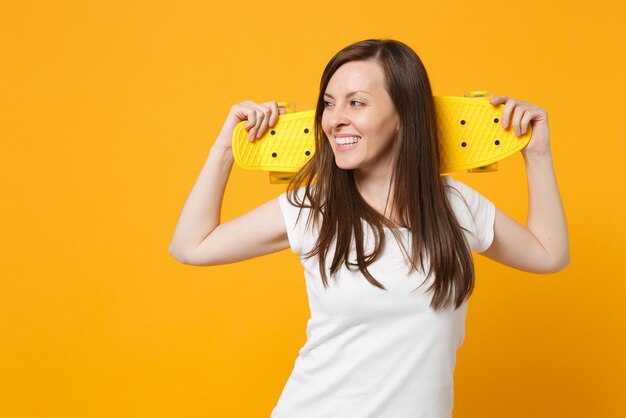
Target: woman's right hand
260,116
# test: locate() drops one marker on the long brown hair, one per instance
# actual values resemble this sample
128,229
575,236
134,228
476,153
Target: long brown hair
338,209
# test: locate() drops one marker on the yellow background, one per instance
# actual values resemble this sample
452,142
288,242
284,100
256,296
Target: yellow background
107,113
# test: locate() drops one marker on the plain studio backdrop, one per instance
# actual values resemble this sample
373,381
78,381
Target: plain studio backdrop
107,113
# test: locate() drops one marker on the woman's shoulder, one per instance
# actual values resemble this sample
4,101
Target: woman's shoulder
296,201
451,182
456,189
474,212
298,196
296,210
464,200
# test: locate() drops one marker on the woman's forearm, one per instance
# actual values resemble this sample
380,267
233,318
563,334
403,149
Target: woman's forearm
546,218
201,213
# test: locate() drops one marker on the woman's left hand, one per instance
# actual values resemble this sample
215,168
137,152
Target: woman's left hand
518,114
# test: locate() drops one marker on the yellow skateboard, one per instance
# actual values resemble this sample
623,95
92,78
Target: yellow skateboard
470,132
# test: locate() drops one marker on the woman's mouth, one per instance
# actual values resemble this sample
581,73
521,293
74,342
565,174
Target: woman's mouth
347,143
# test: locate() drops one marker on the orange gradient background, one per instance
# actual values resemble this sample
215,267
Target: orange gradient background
107,114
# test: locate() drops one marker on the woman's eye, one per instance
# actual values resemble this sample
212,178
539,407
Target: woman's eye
355,102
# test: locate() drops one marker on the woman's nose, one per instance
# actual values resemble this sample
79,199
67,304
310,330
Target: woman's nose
339,117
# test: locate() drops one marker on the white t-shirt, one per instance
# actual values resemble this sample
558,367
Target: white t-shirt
372,353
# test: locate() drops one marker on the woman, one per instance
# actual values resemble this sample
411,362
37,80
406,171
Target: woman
394,236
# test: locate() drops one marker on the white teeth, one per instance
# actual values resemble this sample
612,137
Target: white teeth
347,140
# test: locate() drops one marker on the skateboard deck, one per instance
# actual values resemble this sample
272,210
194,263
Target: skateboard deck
469,128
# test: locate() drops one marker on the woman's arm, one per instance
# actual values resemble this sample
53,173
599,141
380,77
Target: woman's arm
542,246
201,212
199,238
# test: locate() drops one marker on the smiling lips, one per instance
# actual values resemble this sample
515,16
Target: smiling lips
346,143
347,140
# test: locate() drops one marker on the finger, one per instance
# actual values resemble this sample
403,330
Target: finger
252,120
266,120
517,119
242,112
268,112
259,119
262,120
249,114
528,115
506,112
498,100
273,112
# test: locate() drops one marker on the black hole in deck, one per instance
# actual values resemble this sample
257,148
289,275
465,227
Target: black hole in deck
273,132
274,155
463,144
307,153
463,122
306,130
497,142
496,120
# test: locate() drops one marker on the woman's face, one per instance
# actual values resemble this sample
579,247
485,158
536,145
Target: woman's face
359,118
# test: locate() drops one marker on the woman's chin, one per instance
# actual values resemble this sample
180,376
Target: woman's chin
345,165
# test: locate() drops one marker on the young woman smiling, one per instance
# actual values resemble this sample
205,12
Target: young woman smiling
385,241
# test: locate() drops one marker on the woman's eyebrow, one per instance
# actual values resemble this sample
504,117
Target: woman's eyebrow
352,93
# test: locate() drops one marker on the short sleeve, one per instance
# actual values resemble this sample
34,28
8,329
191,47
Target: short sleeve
475,213
295,229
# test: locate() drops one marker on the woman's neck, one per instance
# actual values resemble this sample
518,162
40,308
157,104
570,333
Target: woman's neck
377,191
